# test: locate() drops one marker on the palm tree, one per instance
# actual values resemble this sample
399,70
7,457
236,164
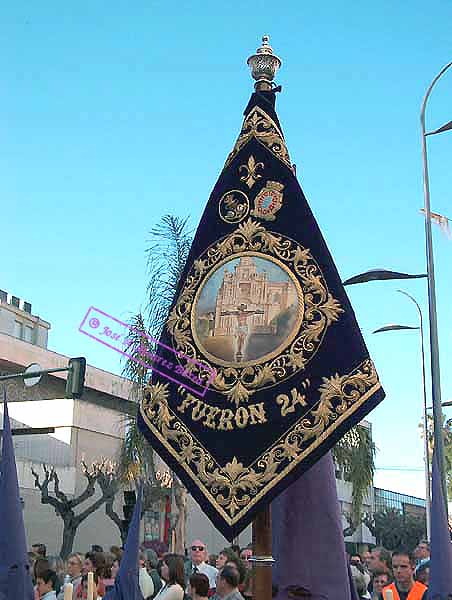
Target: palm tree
167,253
354,455
169,244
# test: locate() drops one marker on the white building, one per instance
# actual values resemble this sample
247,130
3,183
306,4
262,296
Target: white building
90,428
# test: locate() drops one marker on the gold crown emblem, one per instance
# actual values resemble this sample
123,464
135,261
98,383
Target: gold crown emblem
274,185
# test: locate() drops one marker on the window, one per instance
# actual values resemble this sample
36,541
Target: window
18,329
28,334
15,301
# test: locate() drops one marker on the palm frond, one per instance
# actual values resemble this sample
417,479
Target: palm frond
166,256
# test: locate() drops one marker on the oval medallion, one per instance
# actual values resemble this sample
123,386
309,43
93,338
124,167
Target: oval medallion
247,310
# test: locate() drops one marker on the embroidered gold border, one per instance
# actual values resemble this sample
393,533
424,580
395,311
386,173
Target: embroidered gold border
340,397
260,126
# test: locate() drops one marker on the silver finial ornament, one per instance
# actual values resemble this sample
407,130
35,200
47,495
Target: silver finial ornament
264,65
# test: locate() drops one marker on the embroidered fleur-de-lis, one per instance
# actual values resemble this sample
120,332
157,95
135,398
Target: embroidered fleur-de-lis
250,174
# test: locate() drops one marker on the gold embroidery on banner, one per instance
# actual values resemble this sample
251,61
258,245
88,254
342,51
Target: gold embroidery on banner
234,488
222,419
250,174
234,206
260,126
288,404
319,310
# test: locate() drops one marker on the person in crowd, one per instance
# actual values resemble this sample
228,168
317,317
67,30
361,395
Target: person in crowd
144,579
236,549
380,560
40,565
172,571
159,567
115,568
151,558
97,548
116,551
107,578
82,590
198,588
422,551
237,562
32,557
359,582
95,562
422,572
366,559
356,561
245,555
89,563
57,564
198,564
45,584
151,566
213,560
73,573
227,584
225,555
404,587
39,549
380,579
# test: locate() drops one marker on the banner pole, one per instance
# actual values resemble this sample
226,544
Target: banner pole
262,559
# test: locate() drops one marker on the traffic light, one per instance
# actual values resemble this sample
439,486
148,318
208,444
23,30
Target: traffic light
130,499
75,377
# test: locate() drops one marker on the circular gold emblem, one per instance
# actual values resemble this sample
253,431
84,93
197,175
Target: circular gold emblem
247,310
257,306
234,206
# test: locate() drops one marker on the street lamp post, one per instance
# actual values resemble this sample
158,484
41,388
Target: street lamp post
434,347
424,393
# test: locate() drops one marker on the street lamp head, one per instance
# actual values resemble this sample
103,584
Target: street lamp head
393,327
381,275
446,127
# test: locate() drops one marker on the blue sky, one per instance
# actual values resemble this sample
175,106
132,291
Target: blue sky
114,114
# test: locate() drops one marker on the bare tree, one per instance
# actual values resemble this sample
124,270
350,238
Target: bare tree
65,507
110,484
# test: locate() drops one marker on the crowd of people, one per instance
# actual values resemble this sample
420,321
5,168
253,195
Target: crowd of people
196,575
226,576
406,574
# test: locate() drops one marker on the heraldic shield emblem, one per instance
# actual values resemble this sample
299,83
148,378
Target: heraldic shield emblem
261,319
268,201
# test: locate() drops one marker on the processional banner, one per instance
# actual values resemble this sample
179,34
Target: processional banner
261,322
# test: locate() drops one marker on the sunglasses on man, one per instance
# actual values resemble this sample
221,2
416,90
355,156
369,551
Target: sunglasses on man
200,548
